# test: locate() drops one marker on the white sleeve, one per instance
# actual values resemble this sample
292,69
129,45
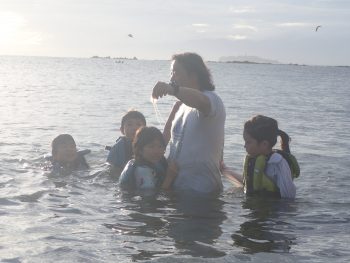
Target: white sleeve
285,182
214,102
280,173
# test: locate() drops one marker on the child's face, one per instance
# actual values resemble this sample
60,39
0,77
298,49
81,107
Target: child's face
130,127
66,153
252,146
153,151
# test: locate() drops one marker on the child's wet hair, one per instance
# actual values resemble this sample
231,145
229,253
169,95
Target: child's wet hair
133,114
59,140
263,128
144,136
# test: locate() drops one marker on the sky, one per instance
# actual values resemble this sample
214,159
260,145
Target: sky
277,29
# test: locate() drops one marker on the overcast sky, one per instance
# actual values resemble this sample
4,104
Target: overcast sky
278,30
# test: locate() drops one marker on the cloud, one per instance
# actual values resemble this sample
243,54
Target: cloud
242,26
297,24
237,37
32,38
200,25
242,10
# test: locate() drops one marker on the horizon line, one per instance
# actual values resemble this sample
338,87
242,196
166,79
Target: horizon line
148,59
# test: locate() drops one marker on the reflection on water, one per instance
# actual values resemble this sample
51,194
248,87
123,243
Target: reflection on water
184,224
187,224
197,225
265,229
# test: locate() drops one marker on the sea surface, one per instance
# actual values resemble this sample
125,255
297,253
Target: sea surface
83,217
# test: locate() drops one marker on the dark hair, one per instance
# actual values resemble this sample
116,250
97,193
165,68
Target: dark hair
144,136
133,114
263,128
194,64
59,140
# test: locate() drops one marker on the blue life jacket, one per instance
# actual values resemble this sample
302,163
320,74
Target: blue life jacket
127,179
120,153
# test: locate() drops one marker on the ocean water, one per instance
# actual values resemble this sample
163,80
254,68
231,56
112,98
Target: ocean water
83,217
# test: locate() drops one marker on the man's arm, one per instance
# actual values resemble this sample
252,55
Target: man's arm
191,97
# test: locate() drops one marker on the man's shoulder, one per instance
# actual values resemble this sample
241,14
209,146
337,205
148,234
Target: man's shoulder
217,105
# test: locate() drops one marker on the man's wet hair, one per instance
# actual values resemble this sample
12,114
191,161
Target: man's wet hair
194,64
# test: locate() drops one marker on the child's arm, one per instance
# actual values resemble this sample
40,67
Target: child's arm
127,178
232,176
115,171
171,174
167,127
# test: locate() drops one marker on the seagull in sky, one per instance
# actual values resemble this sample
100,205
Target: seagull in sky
317,28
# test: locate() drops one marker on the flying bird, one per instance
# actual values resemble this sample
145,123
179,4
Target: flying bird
317,28
130,35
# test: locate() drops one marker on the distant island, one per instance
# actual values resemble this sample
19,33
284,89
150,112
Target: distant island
248,60
253,60
109,57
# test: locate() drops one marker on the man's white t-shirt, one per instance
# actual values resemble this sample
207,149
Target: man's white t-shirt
196,144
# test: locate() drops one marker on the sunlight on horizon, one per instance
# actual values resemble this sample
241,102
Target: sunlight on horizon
14,32
10,26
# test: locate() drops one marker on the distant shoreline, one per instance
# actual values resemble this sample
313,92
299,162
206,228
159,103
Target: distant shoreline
281,64
212,61
121,58
266,63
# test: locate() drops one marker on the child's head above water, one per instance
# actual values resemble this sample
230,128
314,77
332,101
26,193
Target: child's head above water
149,145
132,121
260,135
64,149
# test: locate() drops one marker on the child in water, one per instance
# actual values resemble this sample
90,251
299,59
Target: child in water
65,155
149,169
121,152
266,171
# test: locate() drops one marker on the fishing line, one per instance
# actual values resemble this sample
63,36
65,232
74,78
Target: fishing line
158,115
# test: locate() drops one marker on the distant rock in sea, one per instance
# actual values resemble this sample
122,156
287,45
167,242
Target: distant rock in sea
109,57
248,59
